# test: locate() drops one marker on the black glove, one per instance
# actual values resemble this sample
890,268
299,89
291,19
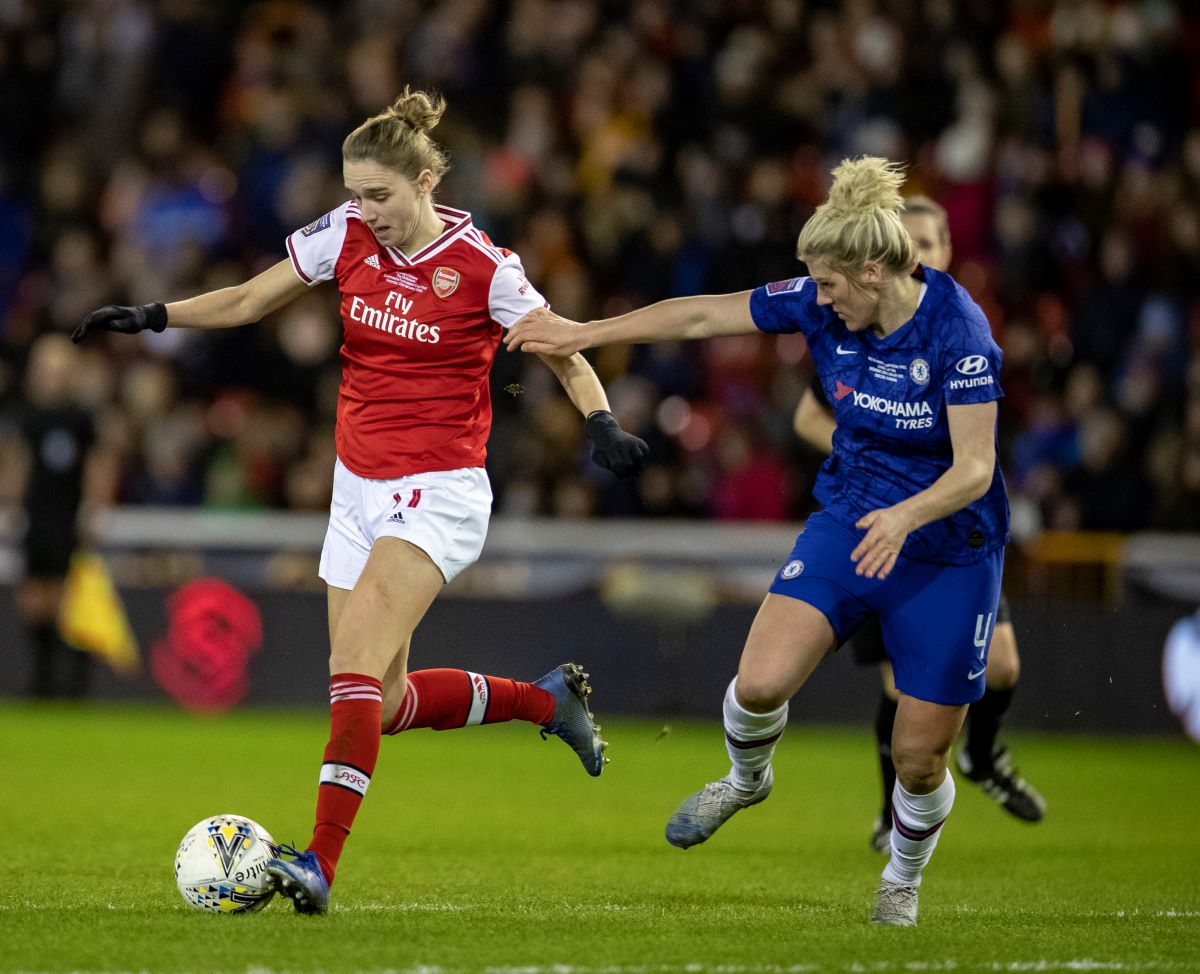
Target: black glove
126,320
613,448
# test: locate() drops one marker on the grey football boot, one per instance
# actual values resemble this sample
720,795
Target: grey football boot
701,814
895,905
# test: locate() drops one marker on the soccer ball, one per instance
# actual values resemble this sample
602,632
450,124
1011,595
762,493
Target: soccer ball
221,865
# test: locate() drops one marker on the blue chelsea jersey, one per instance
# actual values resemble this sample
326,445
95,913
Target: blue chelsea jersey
889,396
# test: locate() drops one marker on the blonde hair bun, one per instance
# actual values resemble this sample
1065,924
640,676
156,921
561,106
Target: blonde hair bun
860,221
866,184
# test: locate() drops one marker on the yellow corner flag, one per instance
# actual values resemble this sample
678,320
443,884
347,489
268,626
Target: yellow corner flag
91,617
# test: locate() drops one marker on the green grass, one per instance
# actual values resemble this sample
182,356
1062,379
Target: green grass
489,849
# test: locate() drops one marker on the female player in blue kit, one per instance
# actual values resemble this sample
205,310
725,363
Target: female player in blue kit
984,759
915,513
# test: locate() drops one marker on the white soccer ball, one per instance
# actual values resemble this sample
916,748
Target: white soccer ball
221,865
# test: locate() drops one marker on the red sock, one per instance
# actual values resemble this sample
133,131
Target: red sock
355,702
447,699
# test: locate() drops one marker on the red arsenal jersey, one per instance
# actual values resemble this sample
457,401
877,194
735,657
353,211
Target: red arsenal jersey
421,333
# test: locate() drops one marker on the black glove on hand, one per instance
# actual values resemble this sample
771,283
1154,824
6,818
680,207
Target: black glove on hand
126,320
613,448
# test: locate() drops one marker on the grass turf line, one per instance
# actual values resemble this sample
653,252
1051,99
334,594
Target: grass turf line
491,850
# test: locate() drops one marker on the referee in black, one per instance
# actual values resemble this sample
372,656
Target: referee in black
58,437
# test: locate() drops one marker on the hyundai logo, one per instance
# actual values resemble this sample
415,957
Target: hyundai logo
972,365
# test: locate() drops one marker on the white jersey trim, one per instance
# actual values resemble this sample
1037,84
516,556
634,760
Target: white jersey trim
478,245
314,250
477,239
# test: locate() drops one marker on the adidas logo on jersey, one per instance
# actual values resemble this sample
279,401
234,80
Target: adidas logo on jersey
373,260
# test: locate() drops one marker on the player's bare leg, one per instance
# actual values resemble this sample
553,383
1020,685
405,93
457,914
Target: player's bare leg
786,642
923,797
374,625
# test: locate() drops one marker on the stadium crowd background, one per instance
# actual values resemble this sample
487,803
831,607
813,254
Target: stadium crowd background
628,152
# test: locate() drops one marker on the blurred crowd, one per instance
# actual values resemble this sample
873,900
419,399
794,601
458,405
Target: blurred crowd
152,149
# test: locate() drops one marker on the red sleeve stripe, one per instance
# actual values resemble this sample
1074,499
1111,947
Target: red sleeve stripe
296,264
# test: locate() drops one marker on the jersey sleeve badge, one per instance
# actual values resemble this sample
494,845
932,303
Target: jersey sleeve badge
783,287
318,225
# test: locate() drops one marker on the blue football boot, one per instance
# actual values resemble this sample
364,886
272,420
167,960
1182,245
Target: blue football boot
300,878
572,721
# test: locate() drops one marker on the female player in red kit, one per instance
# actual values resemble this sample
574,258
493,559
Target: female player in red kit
425,297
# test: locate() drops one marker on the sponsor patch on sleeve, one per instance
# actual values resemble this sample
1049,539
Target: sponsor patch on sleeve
973,372
783,287
317,226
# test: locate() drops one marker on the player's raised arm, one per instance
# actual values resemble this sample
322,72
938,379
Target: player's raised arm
226,308
703,316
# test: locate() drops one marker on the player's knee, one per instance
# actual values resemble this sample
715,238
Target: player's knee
918,767
919,783
758,696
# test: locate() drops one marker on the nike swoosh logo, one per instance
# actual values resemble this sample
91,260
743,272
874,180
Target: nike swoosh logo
976,675
846,351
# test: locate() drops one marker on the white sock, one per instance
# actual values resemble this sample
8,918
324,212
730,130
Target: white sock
916,824
750,740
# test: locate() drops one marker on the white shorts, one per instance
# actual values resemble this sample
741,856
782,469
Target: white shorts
444,513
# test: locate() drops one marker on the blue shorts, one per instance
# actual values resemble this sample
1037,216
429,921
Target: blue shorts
937,620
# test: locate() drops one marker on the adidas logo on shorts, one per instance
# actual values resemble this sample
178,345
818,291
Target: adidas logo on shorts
396,518
373,260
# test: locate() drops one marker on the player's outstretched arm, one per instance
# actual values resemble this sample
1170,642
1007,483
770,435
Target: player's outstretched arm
226,308
703,316
612,447
547,335
814,423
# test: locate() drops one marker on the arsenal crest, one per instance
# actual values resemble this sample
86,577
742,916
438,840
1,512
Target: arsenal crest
445,281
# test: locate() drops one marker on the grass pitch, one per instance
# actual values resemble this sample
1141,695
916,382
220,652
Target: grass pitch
489,850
